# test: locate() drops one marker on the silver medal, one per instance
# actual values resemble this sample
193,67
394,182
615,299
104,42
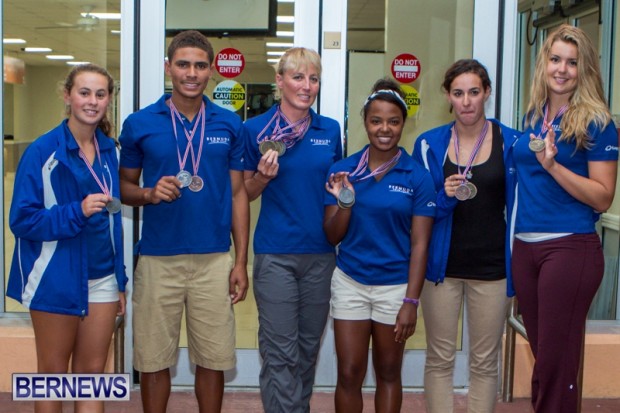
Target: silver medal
185,178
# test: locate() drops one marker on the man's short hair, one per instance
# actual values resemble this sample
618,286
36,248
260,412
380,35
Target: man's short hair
190,38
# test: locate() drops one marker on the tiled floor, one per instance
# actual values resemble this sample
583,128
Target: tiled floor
322,402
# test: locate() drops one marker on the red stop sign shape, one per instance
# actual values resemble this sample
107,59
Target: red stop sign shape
229,62
406,68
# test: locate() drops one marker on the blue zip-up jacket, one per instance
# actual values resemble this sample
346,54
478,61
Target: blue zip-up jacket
49,271
430,150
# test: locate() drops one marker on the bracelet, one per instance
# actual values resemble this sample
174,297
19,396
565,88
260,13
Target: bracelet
413,301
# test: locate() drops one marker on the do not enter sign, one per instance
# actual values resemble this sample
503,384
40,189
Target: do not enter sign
229,62
405,68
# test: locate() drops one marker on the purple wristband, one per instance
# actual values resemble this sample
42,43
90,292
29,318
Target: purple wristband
413,301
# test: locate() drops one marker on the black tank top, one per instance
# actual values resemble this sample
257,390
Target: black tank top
478,224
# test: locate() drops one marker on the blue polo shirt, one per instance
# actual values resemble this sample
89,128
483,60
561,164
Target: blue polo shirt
377,246
197,222
542,204
291,214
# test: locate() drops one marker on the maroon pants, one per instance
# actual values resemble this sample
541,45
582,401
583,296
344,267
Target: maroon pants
555,282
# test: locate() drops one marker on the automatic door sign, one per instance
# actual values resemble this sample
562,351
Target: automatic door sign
229,62
229,95
406,68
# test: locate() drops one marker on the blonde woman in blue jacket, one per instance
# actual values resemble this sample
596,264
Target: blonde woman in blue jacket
469,257
67,266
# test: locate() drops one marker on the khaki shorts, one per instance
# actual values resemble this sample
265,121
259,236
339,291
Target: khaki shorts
354,301
163,286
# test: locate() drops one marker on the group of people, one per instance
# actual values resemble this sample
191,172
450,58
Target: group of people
476,213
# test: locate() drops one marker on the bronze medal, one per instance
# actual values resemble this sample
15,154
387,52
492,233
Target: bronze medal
537,145
473,190
462,192
196,184
264,146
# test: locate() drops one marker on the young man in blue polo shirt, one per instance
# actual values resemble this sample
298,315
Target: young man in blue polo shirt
190,155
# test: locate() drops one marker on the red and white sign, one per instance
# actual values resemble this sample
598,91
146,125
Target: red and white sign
406,68
229,62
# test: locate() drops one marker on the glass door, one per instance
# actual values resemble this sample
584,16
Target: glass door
359,42
246,51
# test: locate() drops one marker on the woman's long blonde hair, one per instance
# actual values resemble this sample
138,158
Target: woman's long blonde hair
587,104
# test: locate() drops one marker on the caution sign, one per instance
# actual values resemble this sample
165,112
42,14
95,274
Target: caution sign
412,99
405,68
229,62
229,95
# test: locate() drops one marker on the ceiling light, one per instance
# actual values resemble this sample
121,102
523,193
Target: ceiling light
274,53
286,1
37,49
285,34
285,19
59,57
276,44
115,31
75,63
13,41
273,60
103,16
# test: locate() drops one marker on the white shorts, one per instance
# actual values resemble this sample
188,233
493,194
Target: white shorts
103,290
354,301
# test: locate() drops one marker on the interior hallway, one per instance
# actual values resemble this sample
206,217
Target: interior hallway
237,401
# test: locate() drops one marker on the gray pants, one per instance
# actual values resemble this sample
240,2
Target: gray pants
292,295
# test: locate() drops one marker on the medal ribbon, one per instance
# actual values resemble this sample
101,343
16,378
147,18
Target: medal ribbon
103,185
363,165
189,136
474,151
544,128
289,134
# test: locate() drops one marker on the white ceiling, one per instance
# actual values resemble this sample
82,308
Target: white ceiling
55,24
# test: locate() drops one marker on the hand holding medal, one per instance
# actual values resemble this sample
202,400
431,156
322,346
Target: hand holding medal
94,203
537,143
268,165
452,183
339,186
546,156
112,204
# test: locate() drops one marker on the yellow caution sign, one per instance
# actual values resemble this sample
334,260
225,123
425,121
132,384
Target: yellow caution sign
412,99
229,95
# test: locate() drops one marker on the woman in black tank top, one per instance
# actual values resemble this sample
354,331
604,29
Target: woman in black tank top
468,256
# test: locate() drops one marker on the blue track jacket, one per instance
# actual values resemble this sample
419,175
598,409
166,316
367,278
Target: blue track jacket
430,150
49,271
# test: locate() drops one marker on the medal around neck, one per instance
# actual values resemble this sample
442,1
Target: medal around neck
462,192
197,184
536,145
185,178
346,198
113,206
